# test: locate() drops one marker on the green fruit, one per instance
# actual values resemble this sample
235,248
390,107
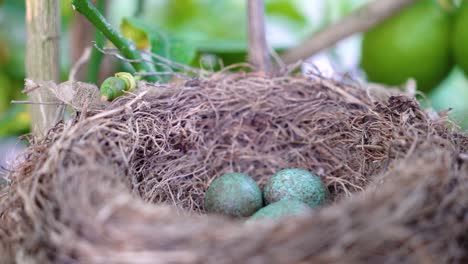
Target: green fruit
415,43
233,194
281,209
460,37
115,86
112,88
296,184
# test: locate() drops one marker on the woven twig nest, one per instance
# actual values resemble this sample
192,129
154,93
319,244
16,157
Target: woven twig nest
125,183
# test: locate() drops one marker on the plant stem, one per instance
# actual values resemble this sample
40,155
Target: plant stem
95,60
125,46
42,59
258,48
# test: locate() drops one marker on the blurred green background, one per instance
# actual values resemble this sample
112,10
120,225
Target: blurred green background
216,29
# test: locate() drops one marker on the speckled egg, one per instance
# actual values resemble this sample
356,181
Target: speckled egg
283,208
296,184
233,194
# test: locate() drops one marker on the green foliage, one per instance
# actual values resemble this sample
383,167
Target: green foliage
15,121
286,9
220,27
158,41
12,41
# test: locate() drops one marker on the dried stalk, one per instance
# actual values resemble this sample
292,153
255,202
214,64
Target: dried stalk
42,59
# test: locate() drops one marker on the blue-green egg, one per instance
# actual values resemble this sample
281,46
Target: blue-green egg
281,209
296,184
233,194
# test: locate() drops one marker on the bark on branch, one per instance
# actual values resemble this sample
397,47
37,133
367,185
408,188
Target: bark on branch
360,20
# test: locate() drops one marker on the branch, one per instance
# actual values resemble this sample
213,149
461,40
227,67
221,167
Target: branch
125,46
258,48
360,20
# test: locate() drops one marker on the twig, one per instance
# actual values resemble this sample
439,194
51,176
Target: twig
340,91
29,86
173,64
165,63
119,109
116,54
34,103
360,20
258,48
277,59
81,61
125,46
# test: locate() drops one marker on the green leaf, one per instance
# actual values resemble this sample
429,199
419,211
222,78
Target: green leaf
287,9
135,33
158,41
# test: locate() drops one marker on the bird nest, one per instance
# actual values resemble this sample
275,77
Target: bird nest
124,182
